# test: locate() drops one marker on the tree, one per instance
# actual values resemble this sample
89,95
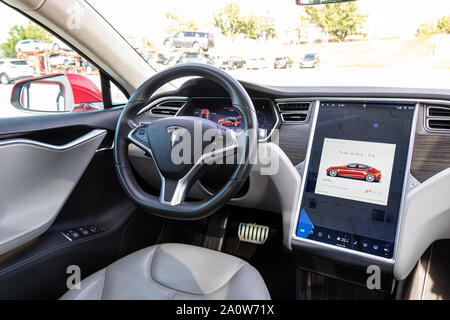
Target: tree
304,22
178,23
256,27
229,21
426,29
20,32
443,25
431,27
338,20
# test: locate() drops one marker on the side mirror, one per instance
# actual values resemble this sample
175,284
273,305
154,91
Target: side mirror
57,93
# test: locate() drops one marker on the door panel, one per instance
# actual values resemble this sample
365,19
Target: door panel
40,156
37,178
98,199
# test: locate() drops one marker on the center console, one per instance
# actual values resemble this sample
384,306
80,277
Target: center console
354,181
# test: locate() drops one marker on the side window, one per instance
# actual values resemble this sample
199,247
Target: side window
117,96
40,73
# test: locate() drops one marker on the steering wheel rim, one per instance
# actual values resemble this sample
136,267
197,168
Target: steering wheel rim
126,127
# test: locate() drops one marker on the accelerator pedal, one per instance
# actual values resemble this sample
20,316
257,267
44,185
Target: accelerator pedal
253,233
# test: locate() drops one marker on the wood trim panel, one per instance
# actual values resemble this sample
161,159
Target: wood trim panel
294,140
431,155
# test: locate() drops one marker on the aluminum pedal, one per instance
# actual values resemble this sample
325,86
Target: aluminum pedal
253,233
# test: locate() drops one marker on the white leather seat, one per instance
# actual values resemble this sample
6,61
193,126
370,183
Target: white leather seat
174,271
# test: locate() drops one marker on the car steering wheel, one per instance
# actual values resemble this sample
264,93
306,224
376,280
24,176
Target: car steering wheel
159,137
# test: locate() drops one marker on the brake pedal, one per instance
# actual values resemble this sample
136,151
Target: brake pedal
215,233
253,233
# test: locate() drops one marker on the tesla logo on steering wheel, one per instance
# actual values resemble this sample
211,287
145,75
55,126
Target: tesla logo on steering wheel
176,132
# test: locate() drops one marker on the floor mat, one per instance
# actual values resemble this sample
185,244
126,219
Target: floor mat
276,266
437,281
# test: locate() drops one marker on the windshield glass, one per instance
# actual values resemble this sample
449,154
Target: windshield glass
394,43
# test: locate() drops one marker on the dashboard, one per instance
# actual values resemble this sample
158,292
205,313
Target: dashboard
220,110
353,163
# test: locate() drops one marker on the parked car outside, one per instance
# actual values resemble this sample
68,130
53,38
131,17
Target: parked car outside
310,60
56,59
283,63
355,170
196,57
30,45
233,62
171,60
60,45
190,39
254,64
218,60
88,66
14,69
160,58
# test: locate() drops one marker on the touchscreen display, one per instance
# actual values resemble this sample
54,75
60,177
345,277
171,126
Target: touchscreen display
355,176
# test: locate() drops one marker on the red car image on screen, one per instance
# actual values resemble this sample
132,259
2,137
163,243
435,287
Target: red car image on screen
230,121
355,170
204,114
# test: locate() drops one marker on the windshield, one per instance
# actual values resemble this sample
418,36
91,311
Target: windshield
389,43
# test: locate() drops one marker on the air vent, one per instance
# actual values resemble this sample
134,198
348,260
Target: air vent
434,111
296,106
167,108
437,118
294,117
439,124
164,111
294,112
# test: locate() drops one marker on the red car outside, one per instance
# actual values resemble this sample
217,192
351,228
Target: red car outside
355,170
230,121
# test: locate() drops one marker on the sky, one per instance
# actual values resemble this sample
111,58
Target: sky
139,18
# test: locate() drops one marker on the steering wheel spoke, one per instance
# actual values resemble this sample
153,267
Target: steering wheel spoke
139,137
173,191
